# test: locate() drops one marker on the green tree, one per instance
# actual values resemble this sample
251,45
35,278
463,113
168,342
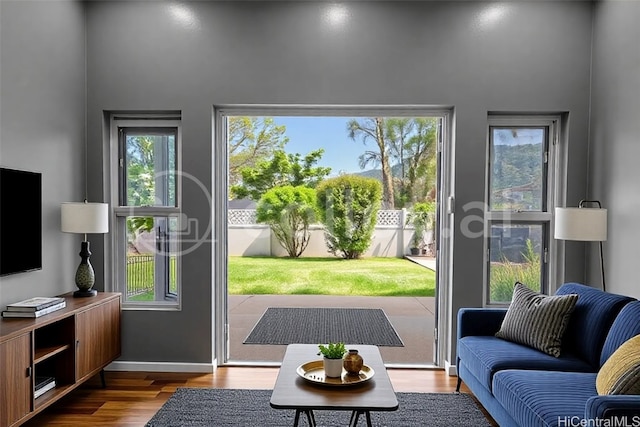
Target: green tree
348,206
140,171
282,169
252,140
289,211
406,149
142,176
419,155
373,129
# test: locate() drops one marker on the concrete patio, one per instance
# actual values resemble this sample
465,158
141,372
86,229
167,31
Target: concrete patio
412,317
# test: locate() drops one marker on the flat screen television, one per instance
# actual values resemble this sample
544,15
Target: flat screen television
20,221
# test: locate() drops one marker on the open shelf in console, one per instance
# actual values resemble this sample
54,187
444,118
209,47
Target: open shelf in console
54,356
53,338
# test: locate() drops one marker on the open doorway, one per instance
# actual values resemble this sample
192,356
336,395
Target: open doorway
267,266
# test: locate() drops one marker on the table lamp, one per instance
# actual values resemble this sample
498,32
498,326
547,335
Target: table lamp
85,218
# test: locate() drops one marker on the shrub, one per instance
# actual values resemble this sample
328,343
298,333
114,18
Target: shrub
422,216
348,206
289,211
506,274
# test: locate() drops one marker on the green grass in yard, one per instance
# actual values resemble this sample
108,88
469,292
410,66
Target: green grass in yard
329,276
148,296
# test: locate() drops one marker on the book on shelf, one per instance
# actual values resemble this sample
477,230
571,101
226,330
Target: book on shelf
34,304
43,385
42,381
33,314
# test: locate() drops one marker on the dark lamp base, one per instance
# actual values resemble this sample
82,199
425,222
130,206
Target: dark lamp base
82,294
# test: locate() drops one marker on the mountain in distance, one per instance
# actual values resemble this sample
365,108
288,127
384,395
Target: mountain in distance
513,166
396,172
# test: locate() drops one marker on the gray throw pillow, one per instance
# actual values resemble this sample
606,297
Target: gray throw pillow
537,320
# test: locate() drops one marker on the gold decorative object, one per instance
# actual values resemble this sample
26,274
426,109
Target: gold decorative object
353,362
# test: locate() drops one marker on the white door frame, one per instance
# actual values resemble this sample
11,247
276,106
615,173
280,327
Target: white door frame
220,197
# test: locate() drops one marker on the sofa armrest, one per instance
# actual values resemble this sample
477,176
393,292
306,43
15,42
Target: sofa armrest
614,406
479,321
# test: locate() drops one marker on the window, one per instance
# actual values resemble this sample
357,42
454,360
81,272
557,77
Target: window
147,210
520,200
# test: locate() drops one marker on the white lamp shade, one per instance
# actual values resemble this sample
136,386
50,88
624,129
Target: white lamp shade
584,224
85,218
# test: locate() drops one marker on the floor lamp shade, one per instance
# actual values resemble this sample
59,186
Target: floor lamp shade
85,218
583,224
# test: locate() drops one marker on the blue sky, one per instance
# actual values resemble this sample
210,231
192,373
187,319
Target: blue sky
341,152
310,133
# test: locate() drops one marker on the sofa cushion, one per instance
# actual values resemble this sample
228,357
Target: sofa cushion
486,355
621,373
626,326
595,311
537,320
543,398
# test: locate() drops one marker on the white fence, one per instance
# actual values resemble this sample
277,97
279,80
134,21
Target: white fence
248,238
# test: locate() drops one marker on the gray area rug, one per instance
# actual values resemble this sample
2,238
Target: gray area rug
286,325
189,407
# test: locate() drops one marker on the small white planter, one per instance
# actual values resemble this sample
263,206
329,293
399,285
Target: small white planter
332,367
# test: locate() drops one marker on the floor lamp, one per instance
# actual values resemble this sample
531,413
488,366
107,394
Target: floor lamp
583,224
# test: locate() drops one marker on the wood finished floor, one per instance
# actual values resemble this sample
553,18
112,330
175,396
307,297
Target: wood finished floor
131,398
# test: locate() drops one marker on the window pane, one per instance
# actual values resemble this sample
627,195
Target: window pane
150,167
517,169
151,259
515,251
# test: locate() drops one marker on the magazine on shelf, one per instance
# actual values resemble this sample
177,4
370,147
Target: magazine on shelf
43,385
34,304
33,314
42,382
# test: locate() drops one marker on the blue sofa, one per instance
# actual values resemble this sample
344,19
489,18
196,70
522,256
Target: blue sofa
521,386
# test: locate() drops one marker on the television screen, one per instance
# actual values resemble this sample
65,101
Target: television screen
20,221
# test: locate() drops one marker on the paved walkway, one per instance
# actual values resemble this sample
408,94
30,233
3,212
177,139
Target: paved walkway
412,318
424,261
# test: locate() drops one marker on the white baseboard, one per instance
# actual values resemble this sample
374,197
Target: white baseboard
450,369
161,367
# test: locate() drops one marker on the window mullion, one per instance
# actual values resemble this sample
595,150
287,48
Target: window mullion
518,216
146,211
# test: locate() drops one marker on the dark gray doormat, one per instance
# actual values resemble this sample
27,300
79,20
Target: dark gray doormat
190,407
286,325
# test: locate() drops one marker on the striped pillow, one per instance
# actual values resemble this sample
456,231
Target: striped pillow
537,320
620,374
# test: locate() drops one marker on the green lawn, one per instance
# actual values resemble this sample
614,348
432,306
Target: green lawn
329,276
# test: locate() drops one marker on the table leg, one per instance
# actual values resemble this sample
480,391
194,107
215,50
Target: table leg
355,415
368,414
354,418
311,419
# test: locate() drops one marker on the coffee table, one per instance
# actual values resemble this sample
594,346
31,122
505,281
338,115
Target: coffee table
294,392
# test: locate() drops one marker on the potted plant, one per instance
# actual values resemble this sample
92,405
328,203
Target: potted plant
332,358
416,243
421,217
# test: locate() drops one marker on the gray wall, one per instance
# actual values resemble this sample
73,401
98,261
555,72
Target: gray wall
478,57
615,140
42,127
